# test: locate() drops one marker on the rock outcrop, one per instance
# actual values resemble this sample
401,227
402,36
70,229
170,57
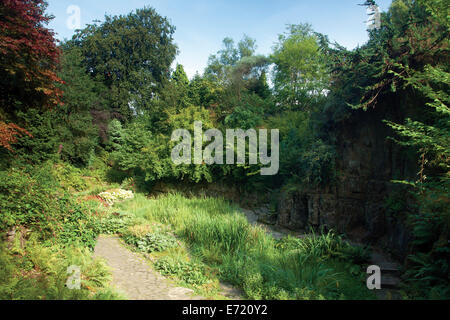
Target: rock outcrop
367,162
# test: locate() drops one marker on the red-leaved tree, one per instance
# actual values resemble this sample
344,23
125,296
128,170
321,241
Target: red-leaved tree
28,63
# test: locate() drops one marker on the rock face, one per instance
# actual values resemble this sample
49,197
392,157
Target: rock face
356,204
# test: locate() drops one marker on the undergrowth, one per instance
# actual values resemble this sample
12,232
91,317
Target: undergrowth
39,272
50,228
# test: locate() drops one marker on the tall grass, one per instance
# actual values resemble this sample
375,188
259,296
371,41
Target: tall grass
219,235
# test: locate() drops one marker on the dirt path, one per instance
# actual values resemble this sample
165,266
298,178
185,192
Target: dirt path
133,277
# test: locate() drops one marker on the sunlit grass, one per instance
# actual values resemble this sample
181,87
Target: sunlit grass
219,236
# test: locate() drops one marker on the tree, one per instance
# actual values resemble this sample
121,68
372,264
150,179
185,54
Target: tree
81,92
220,64
180,77
261,87
204,92
28,63
430,136
247,72
76,132
128,53
180,84
9,134
300,74
172,96
239,72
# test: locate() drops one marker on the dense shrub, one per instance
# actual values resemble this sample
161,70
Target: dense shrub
307,159
112,224
69,177
34,198
28,200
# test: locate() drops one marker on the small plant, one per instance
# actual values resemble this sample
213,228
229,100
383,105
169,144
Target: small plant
325,246
356,254
189,272
112,224
151,242
129,184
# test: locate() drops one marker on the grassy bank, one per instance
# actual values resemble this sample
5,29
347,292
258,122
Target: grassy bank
215,242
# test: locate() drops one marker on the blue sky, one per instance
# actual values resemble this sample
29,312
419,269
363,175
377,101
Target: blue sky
201,25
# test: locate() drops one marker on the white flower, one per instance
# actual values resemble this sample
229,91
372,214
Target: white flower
110,197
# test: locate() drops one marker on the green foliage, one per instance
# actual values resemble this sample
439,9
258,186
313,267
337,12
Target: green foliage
122,102
204,92
148,156
75,128
221,64
36,200
261,87
248,113
113,224
326,246
66,132
180,77
189,272
300,76
409,58
156,241
43,144
428,265
41,274
69,177
115,131
76,224
28,200
129,184
106,52
307,159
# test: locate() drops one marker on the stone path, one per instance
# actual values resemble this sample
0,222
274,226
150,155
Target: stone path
133,277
